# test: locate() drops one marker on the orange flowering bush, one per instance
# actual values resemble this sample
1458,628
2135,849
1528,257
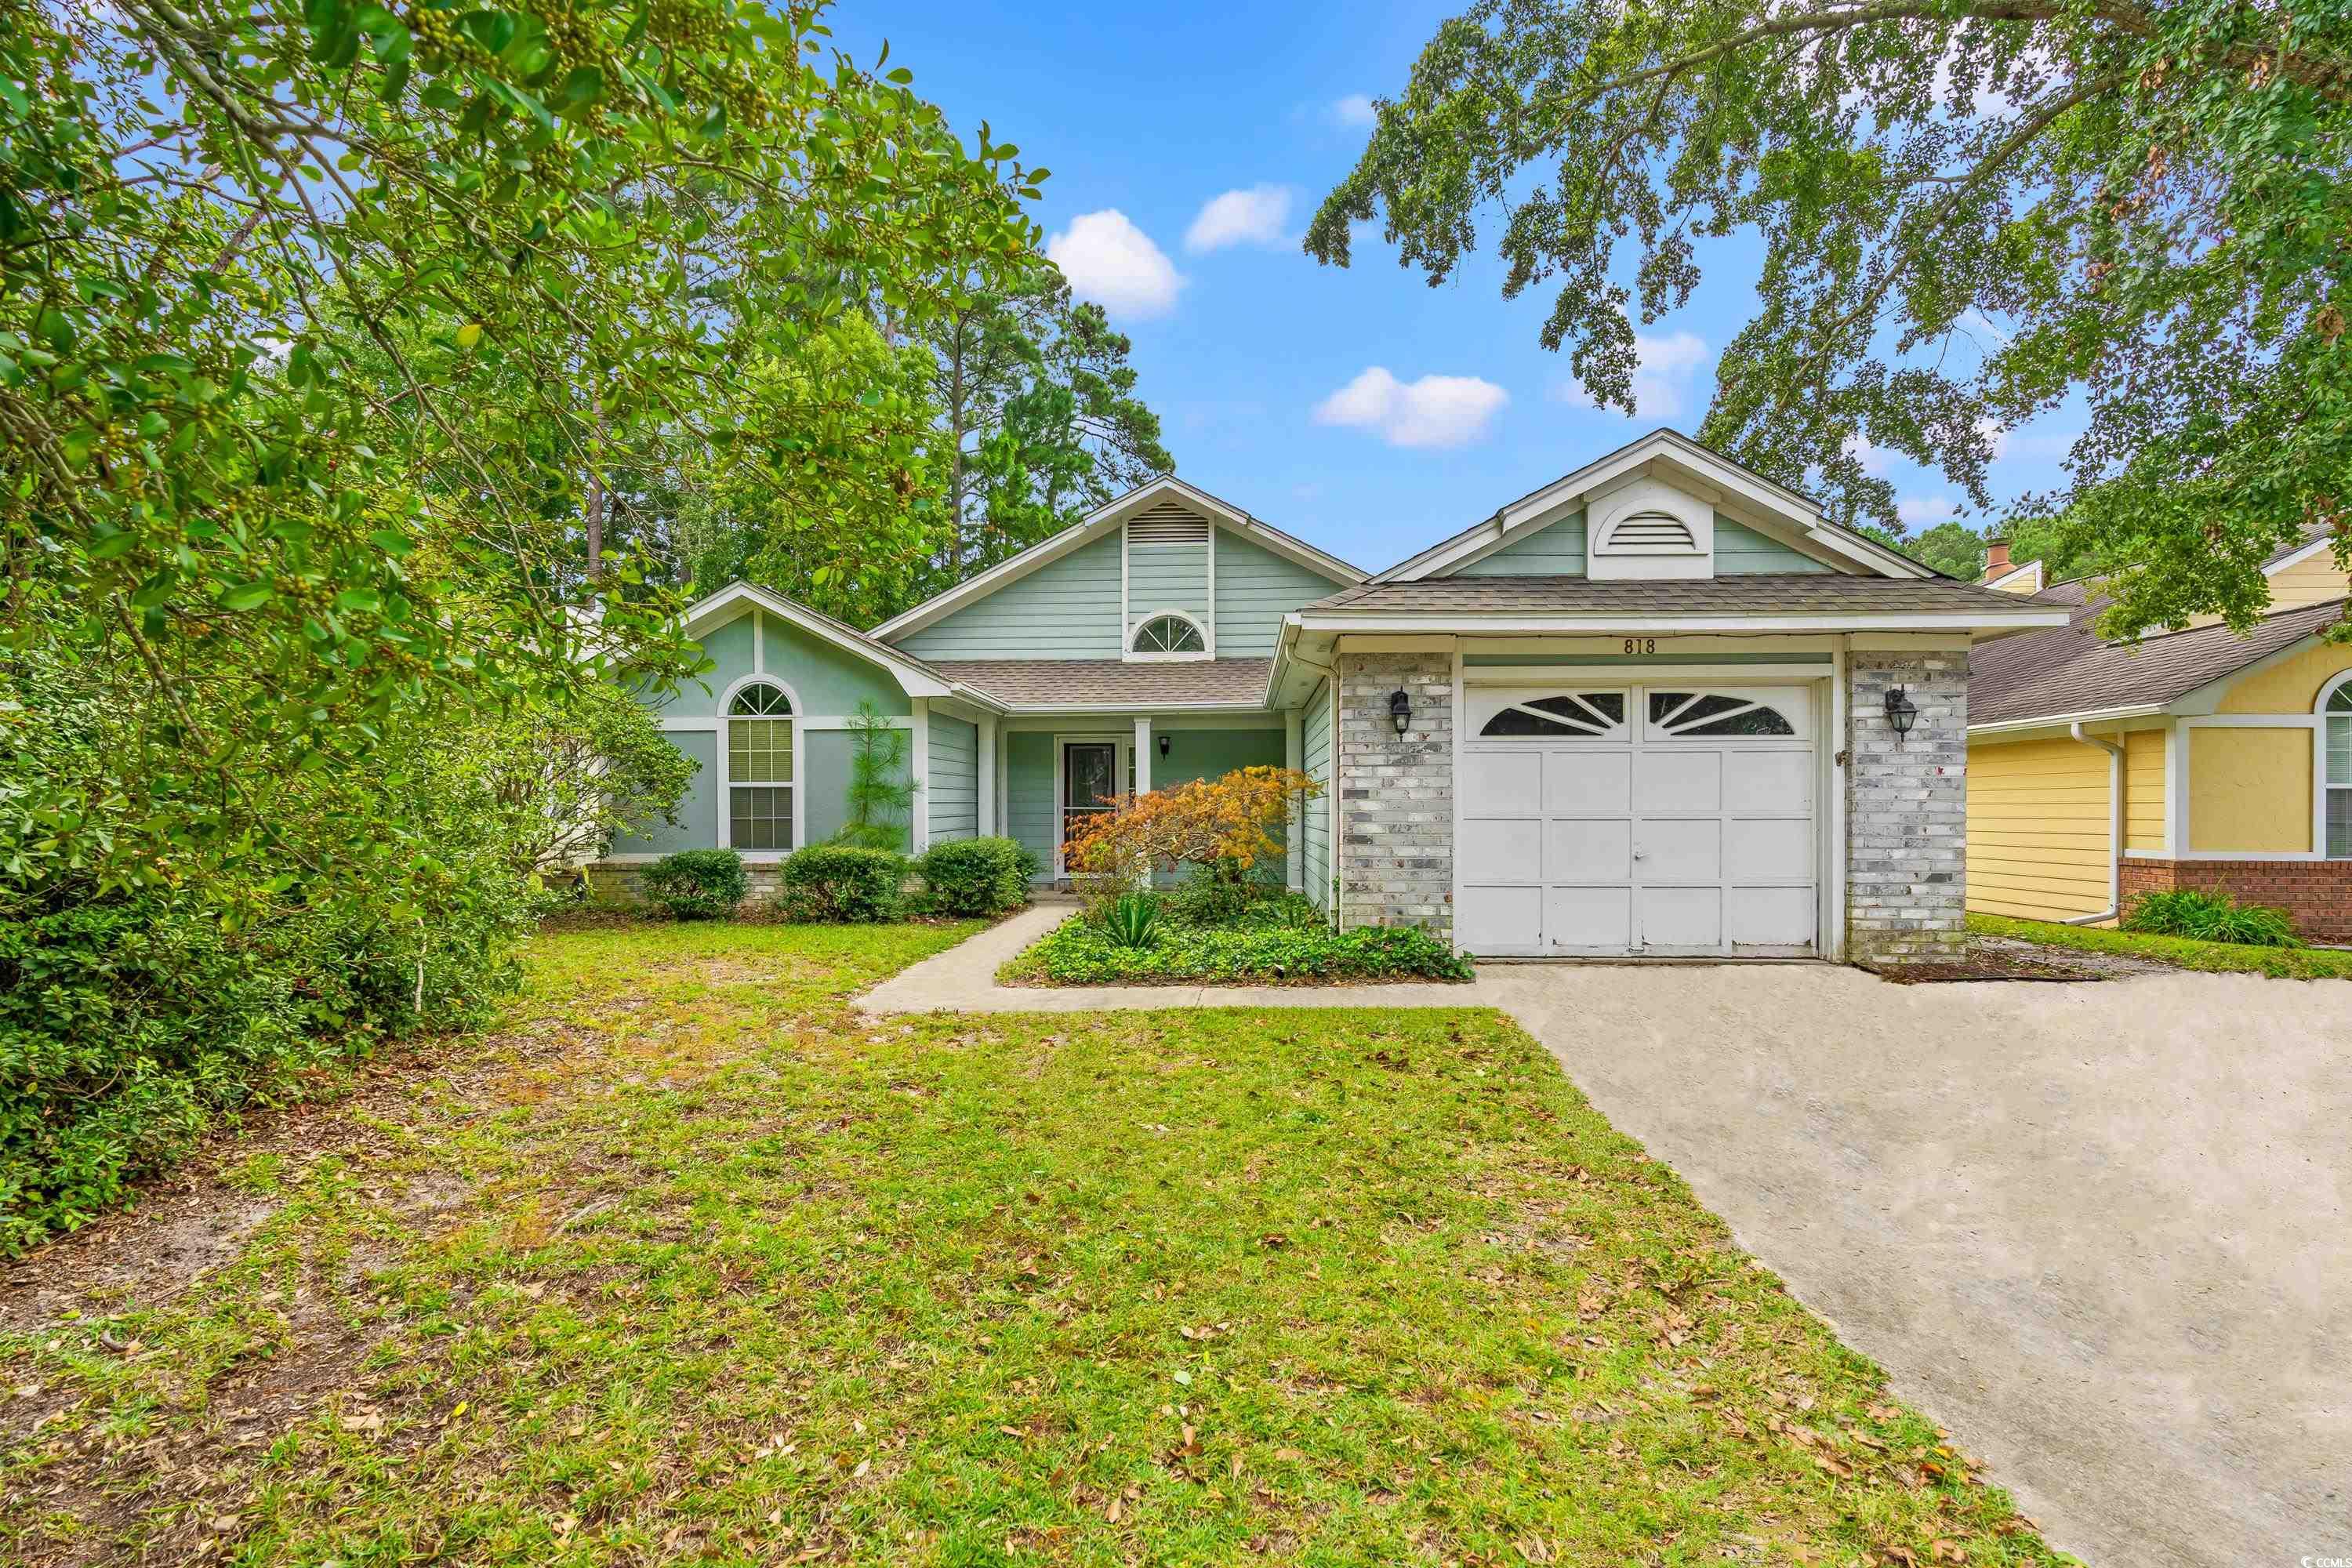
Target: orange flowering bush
1228,824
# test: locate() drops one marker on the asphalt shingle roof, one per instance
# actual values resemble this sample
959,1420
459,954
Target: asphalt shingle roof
1110,682
2070,669
1760,594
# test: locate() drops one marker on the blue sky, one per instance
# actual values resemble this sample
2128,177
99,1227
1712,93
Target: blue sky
1360,410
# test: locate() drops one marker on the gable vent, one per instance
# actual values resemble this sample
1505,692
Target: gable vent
1652,531
1167,522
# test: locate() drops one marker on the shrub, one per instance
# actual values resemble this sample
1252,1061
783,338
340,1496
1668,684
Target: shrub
2210,917
842,883
1222,893
1080,952
697,884
980,877
1230,823
1132,919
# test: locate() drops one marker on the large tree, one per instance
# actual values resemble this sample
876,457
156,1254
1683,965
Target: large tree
1971,211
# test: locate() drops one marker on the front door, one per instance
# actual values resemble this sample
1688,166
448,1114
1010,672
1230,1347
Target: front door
1089,781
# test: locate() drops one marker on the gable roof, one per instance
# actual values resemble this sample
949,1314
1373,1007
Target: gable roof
1678,459
917,677
2070,670
1048,685
1101,521
1806,597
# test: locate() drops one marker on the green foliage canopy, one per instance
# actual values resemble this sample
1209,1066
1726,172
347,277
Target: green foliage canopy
2149,198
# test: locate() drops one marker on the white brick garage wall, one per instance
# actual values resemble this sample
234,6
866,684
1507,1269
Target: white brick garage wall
1395,851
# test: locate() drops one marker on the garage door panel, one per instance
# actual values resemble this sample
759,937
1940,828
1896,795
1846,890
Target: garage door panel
1589,920
1500,919
1504,784
1667,780
1682,919
1680,851
1772,917
1588,782
1578,850
1775,850
1773,783
1504,849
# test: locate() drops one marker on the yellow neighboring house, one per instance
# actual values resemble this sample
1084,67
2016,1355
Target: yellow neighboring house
2196,759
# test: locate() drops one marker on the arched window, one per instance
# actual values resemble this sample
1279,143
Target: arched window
1172,635
760,768
1582,715
2335,718
1713,716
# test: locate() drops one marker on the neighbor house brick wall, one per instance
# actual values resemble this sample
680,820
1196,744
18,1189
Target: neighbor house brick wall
2315,894
1907,807
1396,793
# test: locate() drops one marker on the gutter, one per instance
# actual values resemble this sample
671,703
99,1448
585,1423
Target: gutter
2115,828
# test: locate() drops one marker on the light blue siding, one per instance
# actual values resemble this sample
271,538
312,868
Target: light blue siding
829,680
697,808
1555,550
952,801
1740,551
1256,589
1029,791
1168,577
1067,609
1315,758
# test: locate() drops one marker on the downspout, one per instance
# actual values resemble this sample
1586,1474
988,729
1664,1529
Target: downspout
2115,828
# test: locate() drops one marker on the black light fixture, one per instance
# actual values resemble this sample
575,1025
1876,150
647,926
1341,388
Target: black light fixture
1163,743
1400,711
1901,711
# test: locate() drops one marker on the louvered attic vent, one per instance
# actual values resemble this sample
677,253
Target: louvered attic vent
1167,522
1649,531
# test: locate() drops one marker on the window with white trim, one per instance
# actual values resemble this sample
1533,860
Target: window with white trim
759,768
1571,715
2336,718
1169,634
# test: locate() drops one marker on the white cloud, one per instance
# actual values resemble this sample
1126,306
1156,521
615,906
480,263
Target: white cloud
1926,511
1995,437
1663,379
1876,462
1109,261
1354,111
1253,217
1435,411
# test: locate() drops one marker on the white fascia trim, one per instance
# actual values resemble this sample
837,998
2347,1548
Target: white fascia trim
2325,541
1023,711
2016,571
1093,526
2202,699
2060,721
912,679
1472,625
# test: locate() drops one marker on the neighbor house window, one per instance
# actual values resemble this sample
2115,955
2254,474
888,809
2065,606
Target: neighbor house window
1169,634
2336,714
759,768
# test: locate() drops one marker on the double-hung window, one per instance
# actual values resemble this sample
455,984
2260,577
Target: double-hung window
2336,719
759,768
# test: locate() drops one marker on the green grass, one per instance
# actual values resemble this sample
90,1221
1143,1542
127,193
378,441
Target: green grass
692,1263
1077,952
2216,957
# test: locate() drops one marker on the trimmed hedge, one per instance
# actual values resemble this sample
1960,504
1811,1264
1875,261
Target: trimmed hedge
697,884
981,876
1080,953
840,883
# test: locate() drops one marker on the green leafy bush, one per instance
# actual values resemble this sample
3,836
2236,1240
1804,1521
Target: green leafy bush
1132,919
1080,952
840,883
980,877
697,884
1222,892
2210,917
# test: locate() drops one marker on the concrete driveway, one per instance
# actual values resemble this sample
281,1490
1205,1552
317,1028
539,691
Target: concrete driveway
2100,1231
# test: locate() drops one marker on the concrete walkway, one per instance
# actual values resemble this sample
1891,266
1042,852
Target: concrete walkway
2102,1231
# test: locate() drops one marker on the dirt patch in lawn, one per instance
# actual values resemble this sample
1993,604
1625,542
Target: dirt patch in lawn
2007,958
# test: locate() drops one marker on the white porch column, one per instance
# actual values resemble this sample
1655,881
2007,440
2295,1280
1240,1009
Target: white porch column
919,808
986,824
1294,757
1143,756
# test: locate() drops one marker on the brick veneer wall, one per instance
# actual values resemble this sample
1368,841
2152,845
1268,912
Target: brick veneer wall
618,884
1906,808
1396,854
2315,894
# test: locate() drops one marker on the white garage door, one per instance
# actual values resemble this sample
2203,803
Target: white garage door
1676,817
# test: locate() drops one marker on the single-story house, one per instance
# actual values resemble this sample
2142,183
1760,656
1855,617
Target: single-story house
1660,706
2201,758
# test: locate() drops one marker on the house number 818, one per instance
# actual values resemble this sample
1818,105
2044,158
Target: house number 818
1641,644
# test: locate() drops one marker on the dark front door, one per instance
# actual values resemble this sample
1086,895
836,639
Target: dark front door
1089,781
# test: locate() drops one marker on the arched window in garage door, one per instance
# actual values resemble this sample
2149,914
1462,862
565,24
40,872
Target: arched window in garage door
1579,715
1698,715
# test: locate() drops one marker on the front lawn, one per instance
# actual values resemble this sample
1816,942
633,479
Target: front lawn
2218,957
692,1263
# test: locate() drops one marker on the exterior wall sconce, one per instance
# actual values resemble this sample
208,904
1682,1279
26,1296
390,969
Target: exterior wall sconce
1901,711
1163,743
1400,711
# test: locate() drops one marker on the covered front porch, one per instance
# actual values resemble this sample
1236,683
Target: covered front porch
1049,772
